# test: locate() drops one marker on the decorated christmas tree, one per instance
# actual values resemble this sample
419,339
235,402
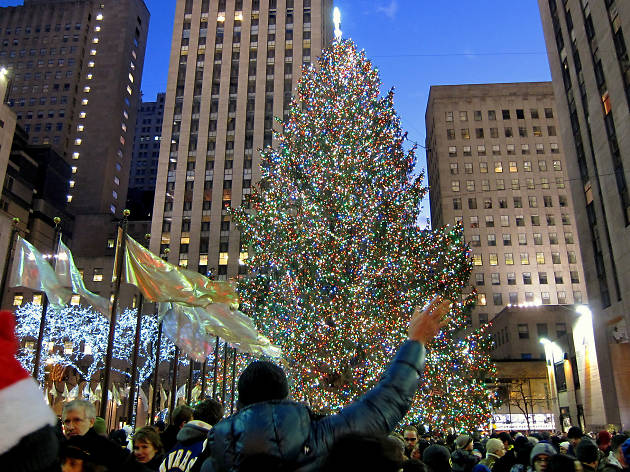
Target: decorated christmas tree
336,256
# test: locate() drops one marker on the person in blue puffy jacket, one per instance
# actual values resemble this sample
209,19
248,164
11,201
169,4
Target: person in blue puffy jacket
271,432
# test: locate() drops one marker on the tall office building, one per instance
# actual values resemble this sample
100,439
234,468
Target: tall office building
144,160
75,68
495,163
590,68
233,67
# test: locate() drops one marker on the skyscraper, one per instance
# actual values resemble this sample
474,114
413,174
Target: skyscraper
233,67
495,164
590,68
75,68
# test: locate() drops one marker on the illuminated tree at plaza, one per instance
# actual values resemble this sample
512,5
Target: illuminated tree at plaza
79,339
337,259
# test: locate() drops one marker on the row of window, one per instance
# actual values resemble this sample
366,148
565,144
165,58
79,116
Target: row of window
542,331
508,132
519,219
508,258
515,184
510,278
517,202
475,239
513,298
512,167
510,150
16,42
506,114
39,28
42,52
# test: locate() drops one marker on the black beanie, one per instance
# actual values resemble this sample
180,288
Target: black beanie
587,451
262,381
438,458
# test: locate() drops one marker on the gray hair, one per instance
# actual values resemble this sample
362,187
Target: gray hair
88,409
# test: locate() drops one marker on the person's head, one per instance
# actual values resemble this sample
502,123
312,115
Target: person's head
410,436
181,415
398,443
587,452
209,411
506,439
496,447
437,458
563,463
119,436
540,455
615,448
418,449
146,444
360,452
99,426
413,465
159,426
574,435
74,458
564,447
78,417
262,381
603,440
464,442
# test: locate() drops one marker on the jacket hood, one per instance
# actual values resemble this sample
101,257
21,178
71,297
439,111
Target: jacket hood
195,430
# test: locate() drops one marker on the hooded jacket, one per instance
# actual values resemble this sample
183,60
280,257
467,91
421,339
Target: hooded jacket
284,435
463,461
190,442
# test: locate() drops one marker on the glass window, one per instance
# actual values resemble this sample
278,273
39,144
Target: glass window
513,166
509,258
489,221
497,299
548,113
483,167
568,238
520,220
508,132
487,203
479,280
527,278
553,238
555,257
511,149
524,258
542,278
523,331
540,257
452,151
498,167
515,184
551,220
457,203
533,202
558,277
454,168
513,298
493,259
465,133
450,134
505,114
477,115
535,220
455,185
529,297
494,133
511,278
485,185
502,203
472,203
492,115
479,133
481,299
505,220
463,116
534,113
449,116
522,239
467,151
492,240
518,202
495,277
481,150
527,166
474,222
475,240
562,298
477,260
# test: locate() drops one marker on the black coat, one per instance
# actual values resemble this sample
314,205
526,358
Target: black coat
463,461
285,436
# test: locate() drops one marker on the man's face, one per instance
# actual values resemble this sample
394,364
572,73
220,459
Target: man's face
411,438
574,441
469,447
540,462
75,423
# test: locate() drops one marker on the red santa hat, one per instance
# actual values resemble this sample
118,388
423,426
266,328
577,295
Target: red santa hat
23,410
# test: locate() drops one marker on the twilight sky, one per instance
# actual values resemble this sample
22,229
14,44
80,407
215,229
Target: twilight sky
414,44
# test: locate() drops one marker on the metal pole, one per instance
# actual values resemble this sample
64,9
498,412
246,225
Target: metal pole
7,260
112,320
42,321
204,369
174,383
225,361
131,412
234,353
190,381
215,368
156,394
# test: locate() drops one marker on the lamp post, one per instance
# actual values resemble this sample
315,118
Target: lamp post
552,351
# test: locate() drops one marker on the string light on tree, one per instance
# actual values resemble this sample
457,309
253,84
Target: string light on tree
338,261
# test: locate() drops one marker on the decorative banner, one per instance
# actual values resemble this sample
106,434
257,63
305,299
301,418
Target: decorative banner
32,270
192,329
160,281
69,276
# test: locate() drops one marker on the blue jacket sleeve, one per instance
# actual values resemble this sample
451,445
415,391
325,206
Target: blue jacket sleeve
379,410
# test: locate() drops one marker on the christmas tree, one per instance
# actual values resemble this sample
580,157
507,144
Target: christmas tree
337,259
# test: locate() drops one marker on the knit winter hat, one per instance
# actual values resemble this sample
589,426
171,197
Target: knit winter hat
26,418
462,441
262,381
586,451
494,445
603,439
541,448
437,458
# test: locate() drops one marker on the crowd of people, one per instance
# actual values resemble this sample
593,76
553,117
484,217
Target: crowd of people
271,432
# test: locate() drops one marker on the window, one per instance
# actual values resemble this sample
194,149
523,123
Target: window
532,201
505,114
457,203
511,150
489,221
559,279
535,220
477,260
553,238
467,151
483,167
483,318
568,238
577,296
479,133
520,220
472,203
493,259
529,297
18,299
498,167
474,222
507,131
562,200
455,185
524,258
557,165
495,278
507,239
561,329
562,298
565,219
481,150
520,114
511,278
524,148
533,113
544,183
450,134
509,258
497,298
475,240
485,185
492,240
452,151
522,239
454,168
463,116
551,130
548,113
513,166
555,257
502,203
523,331
494,133
522,131
540,257
527,166
547,201
470,185
542,278
559,182
505,220
513,298
97,275
492,115
465,133
481,299
449,116
479,280
554,148
477,115
518,202
515,184
540,148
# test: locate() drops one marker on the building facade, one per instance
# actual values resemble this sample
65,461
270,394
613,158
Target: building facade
496,165
233,68
590,68
7,128
75,68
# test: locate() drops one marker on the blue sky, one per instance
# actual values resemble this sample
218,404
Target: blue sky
413,43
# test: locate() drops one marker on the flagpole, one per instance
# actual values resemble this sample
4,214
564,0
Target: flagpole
215,369
131,413
112,320
42,321
204,369
234,353
155,371
7,260
190,379
174,383
225,361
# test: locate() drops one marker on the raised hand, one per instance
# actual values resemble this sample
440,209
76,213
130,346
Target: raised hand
426,324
